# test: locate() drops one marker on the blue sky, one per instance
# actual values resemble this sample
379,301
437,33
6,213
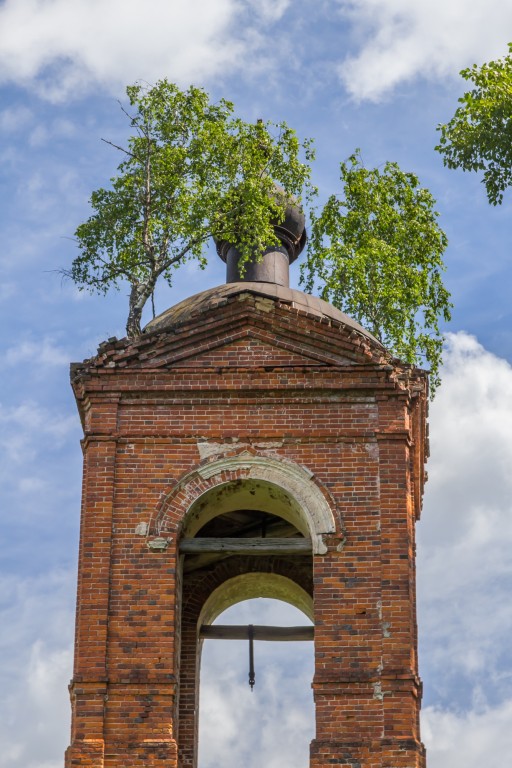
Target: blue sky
374,74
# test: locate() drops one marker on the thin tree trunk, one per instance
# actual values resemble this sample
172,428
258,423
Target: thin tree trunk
139,294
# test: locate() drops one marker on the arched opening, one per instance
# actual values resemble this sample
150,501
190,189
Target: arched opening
244,543
249,496
272,726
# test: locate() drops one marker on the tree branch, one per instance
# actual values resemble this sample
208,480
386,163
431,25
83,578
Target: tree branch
146,237
121,149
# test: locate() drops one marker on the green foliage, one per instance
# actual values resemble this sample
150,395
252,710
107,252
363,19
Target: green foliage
376,254
190,171
479,135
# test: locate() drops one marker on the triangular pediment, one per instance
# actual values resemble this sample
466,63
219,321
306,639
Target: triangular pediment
246,349
245,331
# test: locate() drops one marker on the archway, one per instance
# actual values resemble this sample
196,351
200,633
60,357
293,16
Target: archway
191,503
272,726
242,538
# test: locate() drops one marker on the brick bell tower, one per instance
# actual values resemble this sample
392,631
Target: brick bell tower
254,441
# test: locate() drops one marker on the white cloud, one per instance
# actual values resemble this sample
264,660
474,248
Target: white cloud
43,133
63,46
29,415
39,463
470,740
36,621
270,10
24,430
401,40
465,536
44,189
44,352
14,118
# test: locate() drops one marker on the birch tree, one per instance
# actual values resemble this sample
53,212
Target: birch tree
191,170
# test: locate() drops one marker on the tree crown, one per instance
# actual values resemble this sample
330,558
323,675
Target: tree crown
192,170
376,252
479,135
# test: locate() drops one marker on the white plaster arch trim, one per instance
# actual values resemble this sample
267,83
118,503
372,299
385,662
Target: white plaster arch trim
295,480
246,586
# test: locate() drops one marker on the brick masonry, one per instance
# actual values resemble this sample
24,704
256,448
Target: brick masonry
263,379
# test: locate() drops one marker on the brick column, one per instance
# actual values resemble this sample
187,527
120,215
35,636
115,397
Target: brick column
142,655
348,644
89,684
400,687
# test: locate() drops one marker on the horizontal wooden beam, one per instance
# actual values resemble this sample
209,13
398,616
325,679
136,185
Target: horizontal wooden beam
256,546
241,632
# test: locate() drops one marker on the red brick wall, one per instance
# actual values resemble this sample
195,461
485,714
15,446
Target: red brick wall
342,411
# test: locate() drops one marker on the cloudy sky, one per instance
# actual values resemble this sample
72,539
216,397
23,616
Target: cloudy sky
374,74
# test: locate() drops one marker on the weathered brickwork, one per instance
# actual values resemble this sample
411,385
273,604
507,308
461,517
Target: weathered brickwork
201,406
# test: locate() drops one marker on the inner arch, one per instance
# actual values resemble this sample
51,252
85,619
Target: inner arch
251,585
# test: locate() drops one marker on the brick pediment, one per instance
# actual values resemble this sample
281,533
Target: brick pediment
245,331
248,348
249,351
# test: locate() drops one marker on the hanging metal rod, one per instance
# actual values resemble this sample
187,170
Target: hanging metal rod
259,632
252,673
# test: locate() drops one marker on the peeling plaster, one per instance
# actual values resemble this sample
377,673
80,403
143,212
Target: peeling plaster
159,544
377,692
372,449
142,529
207,449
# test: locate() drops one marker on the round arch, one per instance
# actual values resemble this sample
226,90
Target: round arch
247,479
246,586
229,484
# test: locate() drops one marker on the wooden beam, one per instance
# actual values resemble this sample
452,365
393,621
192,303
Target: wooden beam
235,546
241,632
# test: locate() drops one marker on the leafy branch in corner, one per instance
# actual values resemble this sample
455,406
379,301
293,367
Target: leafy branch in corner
479,135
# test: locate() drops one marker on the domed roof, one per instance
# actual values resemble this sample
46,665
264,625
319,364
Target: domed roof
215,297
